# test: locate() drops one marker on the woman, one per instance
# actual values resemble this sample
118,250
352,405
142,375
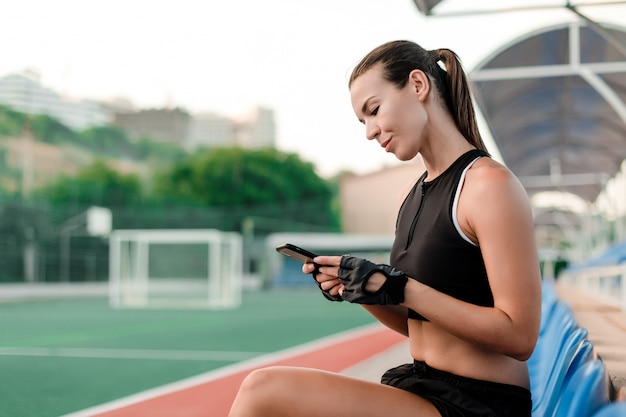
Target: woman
464,281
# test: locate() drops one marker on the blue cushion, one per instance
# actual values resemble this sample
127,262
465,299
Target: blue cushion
615,409
585,392
546,396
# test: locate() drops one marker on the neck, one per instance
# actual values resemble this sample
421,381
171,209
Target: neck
443,142
442,150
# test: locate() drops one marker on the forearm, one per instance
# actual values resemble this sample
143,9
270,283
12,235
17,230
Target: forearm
489,327
392,316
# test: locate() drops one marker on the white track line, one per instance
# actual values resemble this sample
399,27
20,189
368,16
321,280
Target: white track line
226,371
173,355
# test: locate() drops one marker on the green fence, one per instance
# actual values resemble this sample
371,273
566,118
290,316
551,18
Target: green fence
39,242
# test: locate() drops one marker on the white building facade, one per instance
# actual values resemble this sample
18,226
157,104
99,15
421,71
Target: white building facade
256,128
24,93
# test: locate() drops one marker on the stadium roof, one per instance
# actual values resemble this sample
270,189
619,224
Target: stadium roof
555,102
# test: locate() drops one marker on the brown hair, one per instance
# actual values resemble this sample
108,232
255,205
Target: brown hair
399,58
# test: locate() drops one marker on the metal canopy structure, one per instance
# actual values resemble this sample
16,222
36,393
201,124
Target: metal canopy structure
555,102
426,6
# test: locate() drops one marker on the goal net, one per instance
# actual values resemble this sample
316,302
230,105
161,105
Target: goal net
175,269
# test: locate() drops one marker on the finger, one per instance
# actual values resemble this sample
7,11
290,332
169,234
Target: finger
330,285
333,291
331,271
323,276
333,288
308,267
328,260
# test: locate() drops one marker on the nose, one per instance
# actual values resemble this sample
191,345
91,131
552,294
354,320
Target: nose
371,130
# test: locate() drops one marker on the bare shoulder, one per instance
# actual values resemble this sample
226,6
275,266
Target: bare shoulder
492,197
489,169
488,177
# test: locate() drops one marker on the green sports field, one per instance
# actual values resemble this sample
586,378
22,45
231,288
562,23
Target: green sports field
60,356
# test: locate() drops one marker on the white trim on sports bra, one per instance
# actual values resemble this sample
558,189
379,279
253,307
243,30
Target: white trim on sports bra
455,203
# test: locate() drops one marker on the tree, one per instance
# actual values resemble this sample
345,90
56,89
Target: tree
264,182
95,184
235,176
111,140
11,122
149,149
50,130
9,176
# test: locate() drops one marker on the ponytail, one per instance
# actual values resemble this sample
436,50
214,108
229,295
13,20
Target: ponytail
454,88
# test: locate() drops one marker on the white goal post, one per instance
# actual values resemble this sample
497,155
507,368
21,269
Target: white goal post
177,268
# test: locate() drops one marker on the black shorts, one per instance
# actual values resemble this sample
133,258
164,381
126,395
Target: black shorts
457,396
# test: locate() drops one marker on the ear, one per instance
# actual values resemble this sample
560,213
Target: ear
420,83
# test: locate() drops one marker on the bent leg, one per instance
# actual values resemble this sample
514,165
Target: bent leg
302,392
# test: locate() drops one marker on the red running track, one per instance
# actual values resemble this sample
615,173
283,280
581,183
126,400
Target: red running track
211,394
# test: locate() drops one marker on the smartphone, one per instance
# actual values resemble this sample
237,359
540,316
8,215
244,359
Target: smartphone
296,252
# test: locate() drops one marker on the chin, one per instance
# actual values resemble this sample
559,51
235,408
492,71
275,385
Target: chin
404,158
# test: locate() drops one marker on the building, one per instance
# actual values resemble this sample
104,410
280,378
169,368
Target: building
256,128
163,125
23,92
209,130
386,188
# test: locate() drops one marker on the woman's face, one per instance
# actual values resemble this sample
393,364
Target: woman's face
394,117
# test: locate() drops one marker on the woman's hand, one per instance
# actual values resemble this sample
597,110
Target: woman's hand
369,283
324,272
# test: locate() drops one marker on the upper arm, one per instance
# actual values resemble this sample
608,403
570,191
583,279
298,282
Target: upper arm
495,211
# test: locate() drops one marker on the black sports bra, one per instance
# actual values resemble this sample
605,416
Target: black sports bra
429,245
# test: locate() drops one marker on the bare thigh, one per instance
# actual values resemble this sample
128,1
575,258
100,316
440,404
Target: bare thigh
288,391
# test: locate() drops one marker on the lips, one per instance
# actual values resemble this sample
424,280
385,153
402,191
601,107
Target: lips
385,144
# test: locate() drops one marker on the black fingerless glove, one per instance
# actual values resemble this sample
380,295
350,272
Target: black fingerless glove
355,272
325,293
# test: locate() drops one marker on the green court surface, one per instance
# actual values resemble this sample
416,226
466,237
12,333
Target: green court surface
61,356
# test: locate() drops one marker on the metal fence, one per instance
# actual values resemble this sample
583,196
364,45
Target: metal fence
40,242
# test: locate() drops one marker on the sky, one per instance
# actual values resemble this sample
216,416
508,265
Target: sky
225,57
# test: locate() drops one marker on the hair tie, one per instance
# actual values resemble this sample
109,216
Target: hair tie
437,56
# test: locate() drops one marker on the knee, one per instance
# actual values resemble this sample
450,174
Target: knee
260,381
259,391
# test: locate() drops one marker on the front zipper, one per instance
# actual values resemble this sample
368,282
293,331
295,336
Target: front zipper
419,210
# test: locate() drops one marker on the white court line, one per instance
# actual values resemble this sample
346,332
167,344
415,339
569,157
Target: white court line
226,371
170,355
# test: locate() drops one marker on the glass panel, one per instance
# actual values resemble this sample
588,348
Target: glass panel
550,48
595,48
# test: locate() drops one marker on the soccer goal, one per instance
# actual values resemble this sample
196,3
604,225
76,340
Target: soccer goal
175,269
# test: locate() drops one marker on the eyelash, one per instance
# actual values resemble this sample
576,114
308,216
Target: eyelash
374,112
